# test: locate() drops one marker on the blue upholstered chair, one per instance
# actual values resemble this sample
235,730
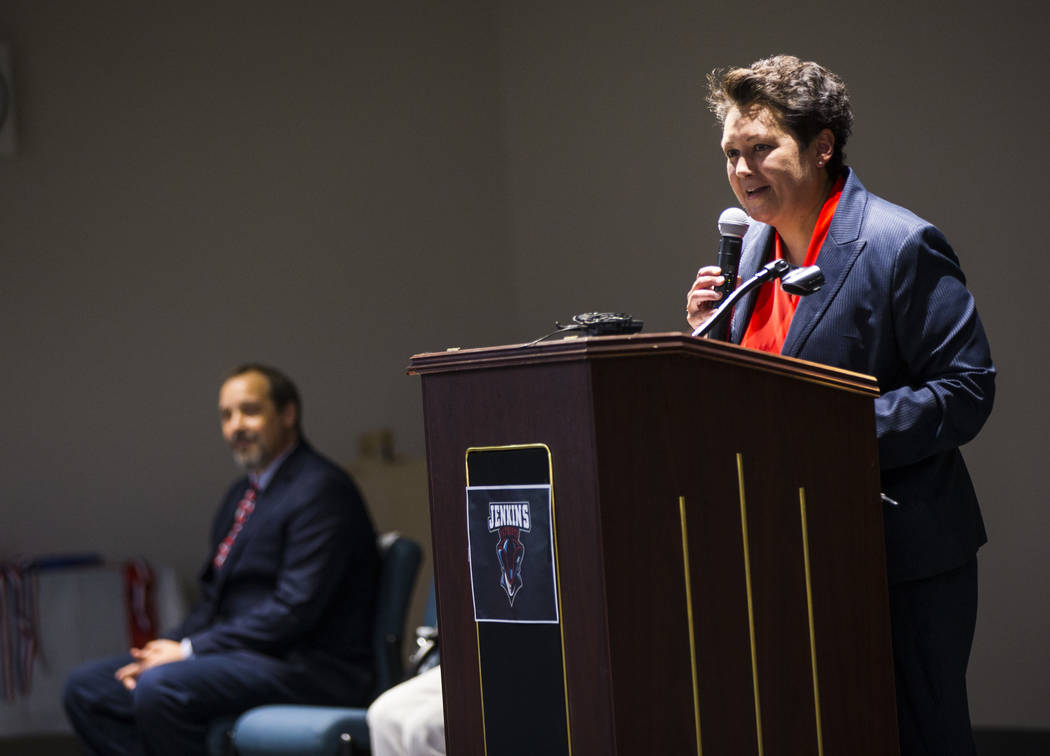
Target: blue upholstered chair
332,731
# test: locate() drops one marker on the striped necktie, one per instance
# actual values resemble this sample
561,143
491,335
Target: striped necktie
244,508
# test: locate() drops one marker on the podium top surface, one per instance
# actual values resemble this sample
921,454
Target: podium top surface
632,346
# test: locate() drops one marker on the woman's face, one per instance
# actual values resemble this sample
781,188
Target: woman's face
775,179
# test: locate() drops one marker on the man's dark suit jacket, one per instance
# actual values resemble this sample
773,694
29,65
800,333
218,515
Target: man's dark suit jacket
300,581
895,306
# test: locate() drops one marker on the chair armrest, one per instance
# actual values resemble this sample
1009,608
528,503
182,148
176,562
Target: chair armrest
288,730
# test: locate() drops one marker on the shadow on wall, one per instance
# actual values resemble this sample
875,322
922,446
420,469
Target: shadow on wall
397,494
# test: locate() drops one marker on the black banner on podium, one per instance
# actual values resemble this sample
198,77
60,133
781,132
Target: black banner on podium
514,583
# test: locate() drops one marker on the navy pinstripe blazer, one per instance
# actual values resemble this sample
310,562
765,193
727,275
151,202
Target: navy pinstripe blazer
895,306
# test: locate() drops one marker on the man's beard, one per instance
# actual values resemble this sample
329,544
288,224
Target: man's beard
250,458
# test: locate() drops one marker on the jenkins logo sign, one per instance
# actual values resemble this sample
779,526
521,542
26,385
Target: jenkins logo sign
510,519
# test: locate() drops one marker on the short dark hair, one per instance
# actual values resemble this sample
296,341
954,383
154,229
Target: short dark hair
803,96
282,391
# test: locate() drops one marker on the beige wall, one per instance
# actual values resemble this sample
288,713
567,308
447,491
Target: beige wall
333,189
199,184
615,181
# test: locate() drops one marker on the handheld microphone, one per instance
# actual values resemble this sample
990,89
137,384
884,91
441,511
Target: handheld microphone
732,225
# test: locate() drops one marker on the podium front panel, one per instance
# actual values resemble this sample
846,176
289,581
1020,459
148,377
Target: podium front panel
719,544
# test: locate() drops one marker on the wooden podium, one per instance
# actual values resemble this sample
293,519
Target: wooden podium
715,542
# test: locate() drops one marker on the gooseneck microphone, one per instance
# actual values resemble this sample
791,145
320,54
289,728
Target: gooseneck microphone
798,281
732,225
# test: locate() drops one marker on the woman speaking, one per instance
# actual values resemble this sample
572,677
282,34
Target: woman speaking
895,306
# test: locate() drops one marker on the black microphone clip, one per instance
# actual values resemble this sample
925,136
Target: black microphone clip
602,323
595,324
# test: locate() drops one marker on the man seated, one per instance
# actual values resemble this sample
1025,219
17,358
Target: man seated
287,595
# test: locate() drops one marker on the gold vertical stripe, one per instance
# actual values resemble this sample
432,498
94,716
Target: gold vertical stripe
561,606
477,639
481,691
812,630
692,629
750,601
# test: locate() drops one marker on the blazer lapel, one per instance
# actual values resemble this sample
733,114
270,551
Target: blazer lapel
250,526
840,250
265,503
219,574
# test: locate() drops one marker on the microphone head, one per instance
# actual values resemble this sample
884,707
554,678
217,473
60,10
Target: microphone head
803,281
733,222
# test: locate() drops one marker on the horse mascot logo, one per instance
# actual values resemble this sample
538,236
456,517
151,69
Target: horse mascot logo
509,520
